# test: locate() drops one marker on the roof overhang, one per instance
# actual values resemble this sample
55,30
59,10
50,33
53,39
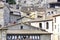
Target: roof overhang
56,15
41,20
3,28
27,32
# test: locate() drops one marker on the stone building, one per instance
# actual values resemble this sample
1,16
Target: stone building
36,20
10,29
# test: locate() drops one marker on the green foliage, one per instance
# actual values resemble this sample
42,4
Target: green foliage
11,1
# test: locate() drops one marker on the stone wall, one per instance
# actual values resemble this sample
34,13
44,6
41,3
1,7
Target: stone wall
45,37
3,34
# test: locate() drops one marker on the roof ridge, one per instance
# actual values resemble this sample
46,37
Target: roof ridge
24,17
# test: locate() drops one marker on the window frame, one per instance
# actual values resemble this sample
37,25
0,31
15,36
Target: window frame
47,25
52,12
21,27
40,25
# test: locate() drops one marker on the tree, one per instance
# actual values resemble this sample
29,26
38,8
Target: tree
11,1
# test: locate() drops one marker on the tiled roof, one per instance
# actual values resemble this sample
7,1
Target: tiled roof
19,24
24,17
24,31
40,20
27,32
56,15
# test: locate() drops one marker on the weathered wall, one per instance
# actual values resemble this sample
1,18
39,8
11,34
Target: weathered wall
45,37
6,15
18,27
36,24
58,24
50,26
49,1
2,17
3,34
14,18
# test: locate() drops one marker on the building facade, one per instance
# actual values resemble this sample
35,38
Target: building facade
32,20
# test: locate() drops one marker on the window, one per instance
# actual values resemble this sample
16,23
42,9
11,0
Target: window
52,12
40,25
22,37
49,13
17,6
55,26
47,25
28,14
0,25
24,1
21,27
39,16
58,0
52,6
11,12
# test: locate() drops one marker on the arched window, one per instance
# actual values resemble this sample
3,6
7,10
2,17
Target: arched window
47,25
21,27
40,25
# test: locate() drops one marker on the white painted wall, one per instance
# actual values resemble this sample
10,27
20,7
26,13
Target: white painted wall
57,24
36,24
50,10
43,25
50,26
